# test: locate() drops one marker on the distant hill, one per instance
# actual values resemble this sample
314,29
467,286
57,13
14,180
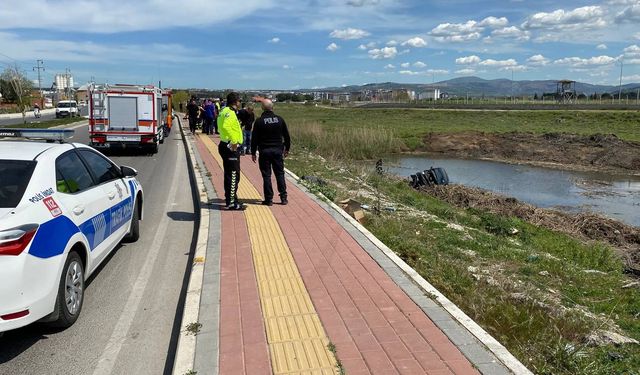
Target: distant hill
477,86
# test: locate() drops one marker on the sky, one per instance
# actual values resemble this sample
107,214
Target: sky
294,44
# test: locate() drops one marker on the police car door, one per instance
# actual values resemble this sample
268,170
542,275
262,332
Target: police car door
117,203
82,200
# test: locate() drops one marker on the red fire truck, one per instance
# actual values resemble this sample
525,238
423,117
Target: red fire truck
126,116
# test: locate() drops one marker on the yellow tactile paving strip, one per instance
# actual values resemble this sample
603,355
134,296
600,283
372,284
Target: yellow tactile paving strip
297,341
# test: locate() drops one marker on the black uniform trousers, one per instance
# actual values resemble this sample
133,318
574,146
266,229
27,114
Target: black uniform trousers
193,121
231,167
272,158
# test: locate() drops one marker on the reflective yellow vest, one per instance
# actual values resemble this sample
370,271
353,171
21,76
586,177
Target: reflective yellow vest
229,126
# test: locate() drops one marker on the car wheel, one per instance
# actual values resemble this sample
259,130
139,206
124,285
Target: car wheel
134,231
70,291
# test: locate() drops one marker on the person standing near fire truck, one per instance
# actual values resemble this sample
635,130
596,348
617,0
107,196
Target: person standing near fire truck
229,148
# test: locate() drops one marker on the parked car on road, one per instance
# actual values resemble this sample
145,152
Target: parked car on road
63,208
67,108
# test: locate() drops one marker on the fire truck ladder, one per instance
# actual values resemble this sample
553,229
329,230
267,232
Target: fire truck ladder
99,107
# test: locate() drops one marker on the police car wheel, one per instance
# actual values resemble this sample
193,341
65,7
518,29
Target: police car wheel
70,291
134,231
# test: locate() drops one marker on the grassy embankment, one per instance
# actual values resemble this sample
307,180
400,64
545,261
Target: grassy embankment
46,124
540,293
409,126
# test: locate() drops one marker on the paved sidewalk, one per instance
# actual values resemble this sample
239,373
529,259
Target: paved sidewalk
300,295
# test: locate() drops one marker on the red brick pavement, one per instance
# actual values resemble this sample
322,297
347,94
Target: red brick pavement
243,341
375,326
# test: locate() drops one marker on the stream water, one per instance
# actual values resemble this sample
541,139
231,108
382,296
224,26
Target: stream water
615,196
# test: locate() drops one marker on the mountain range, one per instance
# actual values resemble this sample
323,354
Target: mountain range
476,86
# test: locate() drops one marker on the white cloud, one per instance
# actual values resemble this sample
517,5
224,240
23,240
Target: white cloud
587,17
367,46
465,71
274,40
494,22
637,36
499,63
437,71
408,72
132,55
349,34
285,66
79,51
632,55
468,60
104,16
392,43
333,47
416,42
580,62
538,60
405,65
419,64
361,3
631,78
457,32
548,37
515,68
389,66
601,46
512,32
632,50
383,53
629,14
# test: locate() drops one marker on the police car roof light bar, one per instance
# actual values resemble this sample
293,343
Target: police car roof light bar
51,135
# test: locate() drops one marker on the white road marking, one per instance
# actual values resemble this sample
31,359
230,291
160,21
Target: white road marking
108,358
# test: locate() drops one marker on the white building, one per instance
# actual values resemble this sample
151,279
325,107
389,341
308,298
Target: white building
430,95
63,81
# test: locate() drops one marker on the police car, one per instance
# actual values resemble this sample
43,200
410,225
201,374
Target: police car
63,208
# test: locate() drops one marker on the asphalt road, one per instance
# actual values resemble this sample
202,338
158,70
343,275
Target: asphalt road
84,111
131,303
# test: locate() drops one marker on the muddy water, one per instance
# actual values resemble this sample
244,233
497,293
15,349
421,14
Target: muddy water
615,196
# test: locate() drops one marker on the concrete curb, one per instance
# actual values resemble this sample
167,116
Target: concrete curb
490,343
73,125
29,114
186,350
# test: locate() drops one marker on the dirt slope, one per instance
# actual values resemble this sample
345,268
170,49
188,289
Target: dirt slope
595,152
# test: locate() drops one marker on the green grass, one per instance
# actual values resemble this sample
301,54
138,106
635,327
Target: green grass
529,290
46,124
407,127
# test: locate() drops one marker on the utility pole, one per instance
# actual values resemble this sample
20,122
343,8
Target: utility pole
512,101
620,86
39,66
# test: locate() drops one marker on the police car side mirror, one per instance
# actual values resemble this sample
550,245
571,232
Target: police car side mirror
128,171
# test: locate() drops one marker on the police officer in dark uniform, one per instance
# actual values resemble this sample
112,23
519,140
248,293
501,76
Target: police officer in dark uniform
271,137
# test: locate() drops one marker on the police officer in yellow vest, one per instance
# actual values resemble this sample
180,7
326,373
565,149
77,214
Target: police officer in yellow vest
229,149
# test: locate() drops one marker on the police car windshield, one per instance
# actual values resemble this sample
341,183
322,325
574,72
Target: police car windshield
14,178
66,105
